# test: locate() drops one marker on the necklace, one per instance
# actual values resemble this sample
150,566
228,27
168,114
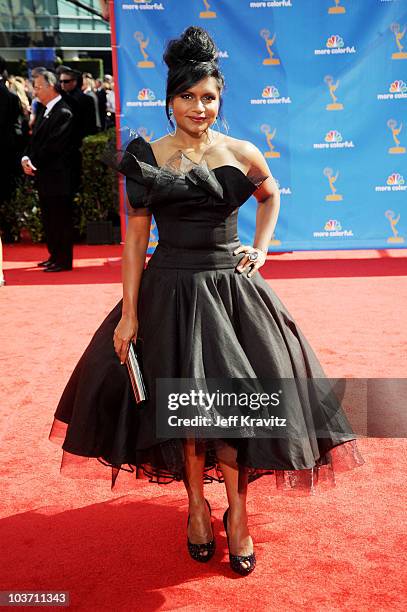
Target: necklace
179,152
202,151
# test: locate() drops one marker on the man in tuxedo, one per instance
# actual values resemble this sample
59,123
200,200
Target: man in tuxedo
9,113
101,96
49,158
82,106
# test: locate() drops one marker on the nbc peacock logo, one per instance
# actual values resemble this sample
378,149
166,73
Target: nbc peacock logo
270,92
335,42
333,136
146,94
331,225
396,91
146,97
334,140
395,179
335,45
333,228
394,182
398,87
271,95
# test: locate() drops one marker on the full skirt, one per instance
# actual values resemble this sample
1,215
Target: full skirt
198,324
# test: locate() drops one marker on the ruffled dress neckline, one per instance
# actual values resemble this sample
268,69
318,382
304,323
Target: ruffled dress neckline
253,178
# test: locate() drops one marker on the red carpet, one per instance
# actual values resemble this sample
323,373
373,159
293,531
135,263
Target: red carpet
343,549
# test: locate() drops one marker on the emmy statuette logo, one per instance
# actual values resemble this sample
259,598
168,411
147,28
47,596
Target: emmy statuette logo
269,61
274,241
207,14
143,132
400,54
337,9
334,105
143,43
333,196
391,124
269,137
393,220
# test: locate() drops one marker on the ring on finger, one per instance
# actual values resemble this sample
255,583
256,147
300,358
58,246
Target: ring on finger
253,256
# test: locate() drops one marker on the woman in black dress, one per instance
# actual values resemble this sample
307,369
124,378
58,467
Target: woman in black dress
200,310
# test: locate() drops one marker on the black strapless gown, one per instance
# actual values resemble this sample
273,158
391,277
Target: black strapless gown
198,318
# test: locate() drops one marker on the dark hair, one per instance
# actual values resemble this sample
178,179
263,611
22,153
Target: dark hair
71,72
191,58
61,68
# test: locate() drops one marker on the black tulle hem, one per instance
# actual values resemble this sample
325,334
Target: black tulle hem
342,457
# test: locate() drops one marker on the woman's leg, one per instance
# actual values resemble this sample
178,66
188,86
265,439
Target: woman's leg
200,527
240,541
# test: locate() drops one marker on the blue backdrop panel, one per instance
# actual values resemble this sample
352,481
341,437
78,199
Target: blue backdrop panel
320,87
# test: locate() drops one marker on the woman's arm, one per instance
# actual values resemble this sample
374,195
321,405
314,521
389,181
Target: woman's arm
268,208
133,260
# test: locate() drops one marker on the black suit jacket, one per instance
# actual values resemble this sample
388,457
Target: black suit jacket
9,113
101,94
9,164
51,151
83,108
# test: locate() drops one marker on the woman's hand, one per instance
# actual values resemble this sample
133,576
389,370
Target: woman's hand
245,263
125,331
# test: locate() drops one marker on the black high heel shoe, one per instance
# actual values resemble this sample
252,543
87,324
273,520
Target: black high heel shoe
195,550
236,560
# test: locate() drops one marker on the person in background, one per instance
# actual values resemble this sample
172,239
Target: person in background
88,86
21,129
10,110
110,103
49,158
17,85
101,96
35,103
83,109
82,106
28,89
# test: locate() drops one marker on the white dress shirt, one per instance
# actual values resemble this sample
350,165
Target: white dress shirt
51,104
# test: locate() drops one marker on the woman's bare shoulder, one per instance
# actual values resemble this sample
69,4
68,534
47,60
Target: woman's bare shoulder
161,148
246,147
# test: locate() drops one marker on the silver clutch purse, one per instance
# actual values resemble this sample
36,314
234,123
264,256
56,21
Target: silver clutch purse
133,367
